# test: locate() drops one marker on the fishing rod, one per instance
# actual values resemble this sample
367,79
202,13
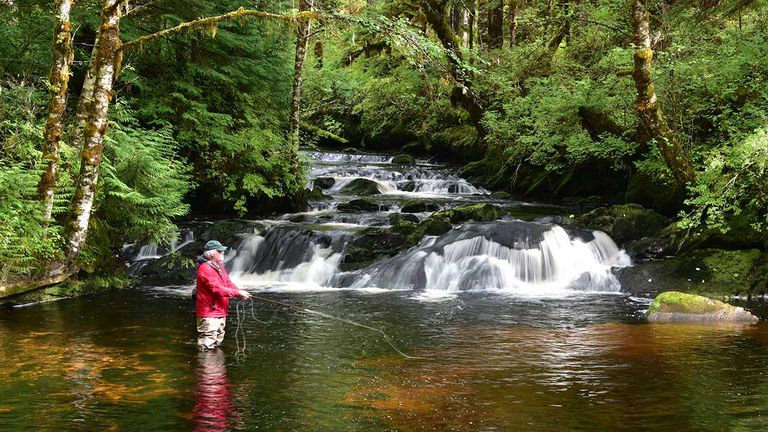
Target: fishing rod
311,312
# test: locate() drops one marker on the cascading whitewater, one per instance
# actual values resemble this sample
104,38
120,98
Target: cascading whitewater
518,257
511,256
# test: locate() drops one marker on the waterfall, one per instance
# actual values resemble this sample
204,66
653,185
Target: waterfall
306,250
288,255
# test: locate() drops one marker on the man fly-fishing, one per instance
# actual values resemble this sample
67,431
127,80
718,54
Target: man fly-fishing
213,290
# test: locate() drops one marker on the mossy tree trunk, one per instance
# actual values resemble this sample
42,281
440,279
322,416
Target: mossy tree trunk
62,56
302,33
512,21
105,64
653,124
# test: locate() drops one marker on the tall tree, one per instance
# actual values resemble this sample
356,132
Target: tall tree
104,67
62,57
302,33
653,124
495,24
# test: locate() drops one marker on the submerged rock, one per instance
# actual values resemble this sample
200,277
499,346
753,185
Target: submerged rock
674,306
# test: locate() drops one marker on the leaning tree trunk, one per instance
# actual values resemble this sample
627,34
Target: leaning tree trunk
302,33
105,63
437,13
653,124
58,85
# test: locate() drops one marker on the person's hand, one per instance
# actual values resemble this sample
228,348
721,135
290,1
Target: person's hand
243,295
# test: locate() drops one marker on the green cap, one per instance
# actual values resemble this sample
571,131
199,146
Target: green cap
214,245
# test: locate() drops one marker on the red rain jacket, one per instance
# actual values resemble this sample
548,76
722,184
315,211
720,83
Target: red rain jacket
214,288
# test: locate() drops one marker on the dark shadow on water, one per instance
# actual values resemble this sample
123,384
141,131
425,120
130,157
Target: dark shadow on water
214,408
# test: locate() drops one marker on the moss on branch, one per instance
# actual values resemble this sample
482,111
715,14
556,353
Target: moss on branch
209,24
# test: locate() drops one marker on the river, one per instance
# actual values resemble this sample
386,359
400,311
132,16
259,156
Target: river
537,346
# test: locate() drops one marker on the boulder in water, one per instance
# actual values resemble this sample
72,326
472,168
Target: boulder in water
397,218
360,205
361,186
416,206
324,182
674,306
371,245
317,194
404,159
477,212
174,268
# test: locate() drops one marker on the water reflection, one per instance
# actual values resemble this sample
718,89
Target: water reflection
214,408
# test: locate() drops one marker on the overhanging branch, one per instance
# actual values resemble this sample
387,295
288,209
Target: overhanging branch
211,22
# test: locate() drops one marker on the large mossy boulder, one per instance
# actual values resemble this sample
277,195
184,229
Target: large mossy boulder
361,186
674,306
703,271
623,222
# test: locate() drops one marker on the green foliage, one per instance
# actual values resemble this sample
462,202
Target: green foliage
143,181
734,181
26,243
257,153
21,131
217,92
544,128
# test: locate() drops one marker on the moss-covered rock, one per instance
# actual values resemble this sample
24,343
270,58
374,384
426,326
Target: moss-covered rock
623,222
361,186
404,159
371,245
501,195
702,271
677,306
317,194
477,212
397,218
417,206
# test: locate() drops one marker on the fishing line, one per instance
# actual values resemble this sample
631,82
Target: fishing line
239,331
385,336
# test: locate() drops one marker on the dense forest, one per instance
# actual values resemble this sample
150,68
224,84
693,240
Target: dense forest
118,118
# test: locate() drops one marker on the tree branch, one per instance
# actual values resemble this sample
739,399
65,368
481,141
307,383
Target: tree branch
210,24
